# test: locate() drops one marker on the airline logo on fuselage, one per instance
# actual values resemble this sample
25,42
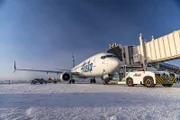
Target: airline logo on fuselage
137,75
87,67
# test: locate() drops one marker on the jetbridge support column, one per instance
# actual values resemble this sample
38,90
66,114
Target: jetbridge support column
157,65
143,52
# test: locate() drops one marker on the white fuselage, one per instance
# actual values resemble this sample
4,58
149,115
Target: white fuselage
98,65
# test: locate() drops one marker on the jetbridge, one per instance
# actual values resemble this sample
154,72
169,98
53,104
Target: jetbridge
157,50
161,49
166,66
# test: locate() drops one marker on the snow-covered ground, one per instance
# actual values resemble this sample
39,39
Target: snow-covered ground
88,102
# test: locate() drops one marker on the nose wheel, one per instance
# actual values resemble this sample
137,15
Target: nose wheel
105,82
93,80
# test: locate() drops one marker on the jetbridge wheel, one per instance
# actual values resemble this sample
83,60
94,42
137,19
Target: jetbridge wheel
148,81
167,85
129,82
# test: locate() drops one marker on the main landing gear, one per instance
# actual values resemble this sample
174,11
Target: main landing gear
71,81
93,80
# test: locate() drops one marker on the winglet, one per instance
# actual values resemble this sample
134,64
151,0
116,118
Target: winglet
14,66
73,59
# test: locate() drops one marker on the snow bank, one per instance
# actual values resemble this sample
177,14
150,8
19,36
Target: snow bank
88,102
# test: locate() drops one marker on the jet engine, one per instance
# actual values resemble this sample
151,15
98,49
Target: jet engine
65,76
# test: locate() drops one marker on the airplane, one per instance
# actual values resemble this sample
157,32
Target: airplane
102,65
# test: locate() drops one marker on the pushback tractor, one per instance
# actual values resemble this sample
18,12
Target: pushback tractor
147,78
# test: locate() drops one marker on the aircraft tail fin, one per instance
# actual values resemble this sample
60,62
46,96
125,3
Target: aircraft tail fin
15,66
73,61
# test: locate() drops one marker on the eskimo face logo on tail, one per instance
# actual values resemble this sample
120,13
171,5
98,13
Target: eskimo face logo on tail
87,67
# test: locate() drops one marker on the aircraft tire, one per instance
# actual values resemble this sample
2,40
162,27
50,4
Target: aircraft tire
70,81
91,81
105,82
94,80
73,81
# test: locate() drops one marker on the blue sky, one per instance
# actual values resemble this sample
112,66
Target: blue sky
42,33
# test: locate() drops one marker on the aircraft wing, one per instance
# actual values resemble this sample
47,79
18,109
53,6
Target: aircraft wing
46,71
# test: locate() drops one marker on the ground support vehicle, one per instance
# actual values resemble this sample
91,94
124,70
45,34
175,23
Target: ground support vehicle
51,80
149,78
136,76
38,81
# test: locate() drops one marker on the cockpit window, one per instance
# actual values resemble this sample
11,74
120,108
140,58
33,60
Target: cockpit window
107,56
103,57
110,56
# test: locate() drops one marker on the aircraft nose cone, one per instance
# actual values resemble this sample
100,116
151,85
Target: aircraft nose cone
112,66
115,64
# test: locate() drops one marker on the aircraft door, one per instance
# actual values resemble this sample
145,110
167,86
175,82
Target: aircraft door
124,71
103,61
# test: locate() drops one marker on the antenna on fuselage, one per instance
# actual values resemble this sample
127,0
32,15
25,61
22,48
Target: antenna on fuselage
73,61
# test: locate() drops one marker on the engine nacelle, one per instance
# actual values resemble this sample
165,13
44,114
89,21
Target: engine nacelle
107,77
65,76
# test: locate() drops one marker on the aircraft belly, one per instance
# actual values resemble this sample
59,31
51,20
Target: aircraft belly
87,74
